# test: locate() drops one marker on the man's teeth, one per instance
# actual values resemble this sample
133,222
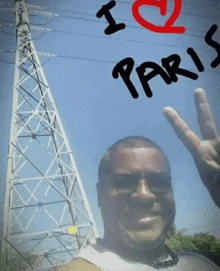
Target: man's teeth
146,219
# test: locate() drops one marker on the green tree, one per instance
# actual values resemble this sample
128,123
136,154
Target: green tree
203,243
206,242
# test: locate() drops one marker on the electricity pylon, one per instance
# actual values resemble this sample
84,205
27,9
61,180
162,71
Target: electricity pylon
47,217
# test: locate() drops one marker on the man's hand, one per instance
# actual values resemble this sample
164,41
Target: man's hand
206,152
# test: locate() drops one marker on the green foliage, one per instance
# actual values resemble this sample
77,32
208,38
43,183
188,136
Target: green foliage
204,242
201,242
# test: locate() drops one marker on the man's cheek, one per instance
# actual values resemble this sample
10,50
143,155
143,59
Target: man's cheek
114,196
168,201
112,208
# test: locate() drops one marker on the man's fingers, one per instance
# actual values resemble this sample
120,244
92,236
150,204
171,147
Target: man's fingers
205,119
190,140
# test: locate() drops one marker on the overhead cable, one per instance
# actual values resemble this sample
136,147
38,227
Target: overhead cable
121,39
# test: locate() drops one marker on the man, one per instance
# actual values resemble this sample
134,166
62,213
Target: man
137,204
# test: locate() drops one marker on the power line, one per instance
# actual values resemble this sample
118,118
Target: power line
104,22
7,51
121,39
87,13
138,27
99,21
84,19
95,60
131,26
44,23
76,18
37,38
117,18
87,59
185,13
113,62
6,20
129,40
121,19
2,31
7,62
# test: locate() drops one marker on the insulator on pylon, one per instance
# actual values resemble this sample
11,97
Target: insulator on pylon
11,10
35,6
46,54
42,13
38,28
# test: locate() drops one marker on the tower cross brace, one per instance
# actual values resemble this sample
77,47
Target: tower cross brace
44,195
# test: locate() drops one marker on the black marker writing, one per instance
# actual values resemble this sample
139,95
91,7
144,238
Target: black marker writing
171,64
171,67
195,59
125,73
113,27
157,70
214,44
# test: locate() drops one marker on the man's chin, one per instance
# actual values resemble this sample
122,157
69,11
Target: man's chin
141,238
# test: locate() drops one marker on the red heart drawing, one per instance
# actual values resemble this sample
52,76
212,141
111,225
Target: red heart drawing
162,5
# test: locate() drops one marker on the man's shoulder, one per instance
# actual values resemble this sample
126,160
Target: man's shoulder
79,264
196,259
98,258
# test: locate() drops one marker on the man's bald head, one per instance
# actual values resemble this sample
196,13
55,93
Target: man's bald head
105,166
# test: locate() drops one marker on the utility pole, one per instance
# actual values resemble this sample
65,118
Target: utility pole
47,217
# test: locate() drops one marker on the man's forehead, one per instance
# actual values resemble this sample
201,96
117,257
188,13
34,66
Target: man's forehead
138,159
142,152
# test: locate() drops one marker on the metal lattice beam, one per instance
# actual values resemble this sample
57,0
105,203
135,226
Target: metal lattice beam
44,192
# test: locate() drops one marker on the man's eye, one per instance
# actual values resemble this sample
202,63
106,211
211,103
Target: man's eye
130,181
161,183
126,182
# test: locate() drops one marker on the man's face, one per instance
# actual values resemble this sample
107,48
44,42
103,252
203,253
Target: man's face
136,200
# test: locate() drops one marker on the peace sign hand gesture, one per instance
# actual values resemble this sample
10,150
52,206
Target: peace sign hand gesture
206,152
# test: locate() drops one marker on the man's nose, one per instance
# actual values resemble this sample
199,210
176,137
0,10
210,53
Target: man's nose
143,192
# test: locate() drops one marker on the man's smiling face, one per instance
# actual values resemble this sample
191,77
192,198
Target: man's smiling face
136,198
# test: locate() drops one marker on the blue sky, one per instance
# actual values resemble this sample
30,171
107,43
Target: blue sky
98,110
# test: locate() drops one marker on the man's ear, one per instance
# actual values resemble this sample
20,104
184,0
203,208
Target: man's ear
99,194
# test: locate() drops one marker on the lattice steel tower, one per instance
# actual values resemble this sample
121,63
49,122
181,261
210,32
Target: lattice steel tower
44,192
